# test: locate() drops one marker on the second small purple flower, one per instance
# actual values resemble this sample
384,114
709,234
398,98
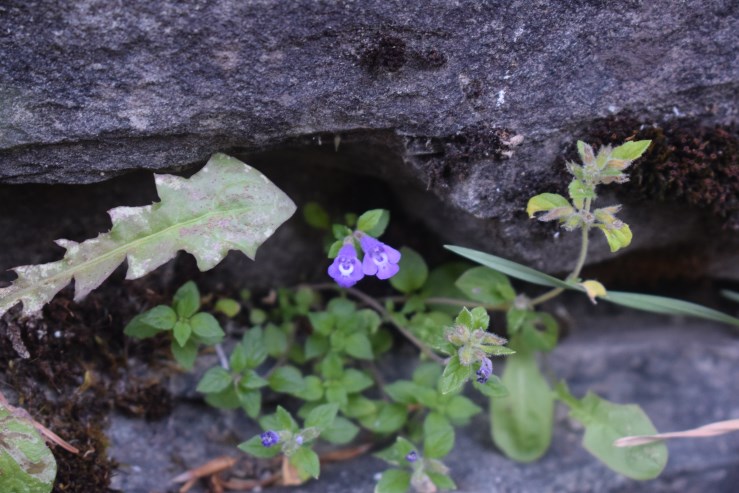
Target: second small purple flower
379,259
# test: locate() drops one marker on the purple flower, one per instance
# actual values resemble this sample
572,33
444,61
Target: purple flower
379,259
486,369
412,456
346,269
269,438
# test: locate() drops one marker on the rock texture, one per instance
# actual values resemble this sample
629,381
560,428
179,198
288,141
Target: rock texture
468,103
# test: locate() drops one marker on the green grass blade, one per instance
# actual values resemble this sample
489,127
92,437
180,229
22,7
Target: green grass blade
510,268
732,295
668,306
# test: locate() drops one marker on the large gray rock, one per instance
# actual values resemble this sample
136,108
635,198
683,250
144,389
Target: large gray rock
433,98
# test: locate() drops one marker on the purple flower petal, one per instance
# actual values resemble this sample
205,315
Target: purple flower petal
486,369
379,259
269,438
346,269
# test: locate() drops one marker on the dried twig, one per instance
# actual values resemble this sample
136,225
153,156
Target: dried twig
48,435
709,430
219,464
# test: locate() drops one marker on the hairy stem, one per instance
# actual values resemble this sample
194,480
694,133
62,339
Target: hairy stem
375,305
585,239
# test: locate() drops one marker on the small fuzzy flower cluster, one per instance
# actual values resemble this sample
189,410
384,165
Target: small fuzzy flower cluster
379,260
269,438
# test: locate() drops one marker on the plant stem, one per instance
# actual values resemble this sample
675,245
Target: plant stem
578,266
375,305
440,300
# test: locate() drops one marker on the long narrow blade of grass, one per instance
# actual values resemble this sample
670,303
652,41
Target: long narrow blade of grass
732,295
510,268
668,306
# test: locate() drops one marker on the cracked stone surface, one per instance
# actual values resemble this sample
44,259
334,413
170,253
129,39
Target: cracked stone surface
466,104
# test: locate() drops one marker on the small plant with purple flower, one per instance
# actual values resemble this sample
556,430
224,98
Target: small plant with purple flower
319,347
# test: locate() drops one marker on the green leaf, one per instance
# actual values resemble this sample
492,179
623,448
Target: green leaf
151,322
412,274
185,355
214,380
397,452
427,375
287,379
254,348
579,192
441,480
341,431
630,150
438,436
228,307
226,205
460,409
522,422
182,331
340,231
605,422
479,319
306,462
617,237
374,222
333,250
26,463
486,286
509,268
322,322
186,301
336,393
257,316
254,447
515,318
355,381
332,366
316,216
668,306
312,389
492,388
316,345
275,341
388,418
359,346
206,325
341,307
394,481
322,416
545,202
250,401
454,377
279,421
251,380
359,406
237,360
543,340
402,391
227,398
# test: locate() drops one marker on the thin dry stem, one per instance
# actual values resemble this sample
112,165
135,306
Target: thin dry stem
709,430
